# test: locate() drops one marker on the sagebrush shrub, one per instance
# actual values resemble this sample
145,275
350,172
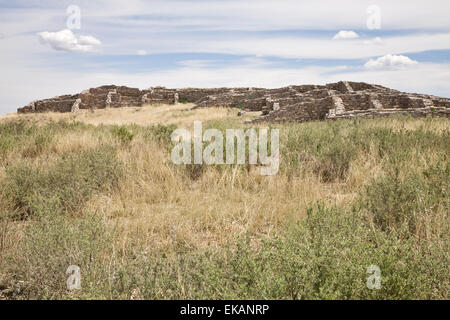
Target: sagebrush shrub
393,201
122,133
160,133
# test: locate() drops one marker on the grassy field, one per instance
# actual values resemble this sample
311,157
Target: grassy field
98,190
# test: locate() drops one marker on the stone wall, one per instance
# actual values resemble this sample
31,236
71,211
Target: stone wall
294,103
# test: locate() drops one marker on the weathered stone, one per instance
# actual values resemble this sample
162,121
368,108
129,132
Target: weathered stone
294,103
109,97
76,105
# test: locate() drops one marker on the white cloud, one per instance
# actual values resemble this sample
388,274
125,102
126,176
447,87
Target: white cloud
88,41
66,40
142,53
343,35
390,62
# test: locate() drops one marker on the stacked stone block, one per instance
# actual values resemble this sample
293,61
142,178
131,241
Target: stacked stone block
294,103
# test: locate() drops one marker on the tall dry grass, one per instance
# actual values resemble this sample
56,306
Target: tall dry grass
181,115
158,210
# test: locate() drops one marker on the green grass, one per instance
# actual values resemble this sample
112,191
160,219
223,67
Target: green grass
395,201
65,186
329,148
160,133
123,135
395,216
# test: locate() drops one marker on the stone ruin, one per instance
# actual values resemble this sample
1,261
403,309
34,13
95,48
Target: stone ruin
294,103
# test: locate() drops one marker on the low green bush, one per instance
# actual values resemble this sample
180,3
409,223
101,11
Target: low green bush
122,133
393,201
160,133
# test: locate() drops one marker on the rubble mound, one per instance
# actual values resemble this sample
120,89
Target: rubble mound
294,103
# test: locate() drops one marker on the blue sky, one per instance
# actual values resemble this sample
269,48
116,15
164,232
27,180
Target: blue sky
400,44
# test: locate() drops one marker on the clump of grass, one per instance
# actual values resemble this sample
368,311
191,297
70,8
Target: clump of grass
8,132
194,171
32,140
160,133
39,144
64,186
325,149
15,134
122,133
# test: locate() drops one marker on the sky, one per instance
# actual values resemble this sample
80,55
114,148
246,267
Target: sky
55,47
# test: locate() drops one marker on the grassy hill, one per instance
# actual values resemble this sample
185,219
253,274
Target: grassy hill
98,190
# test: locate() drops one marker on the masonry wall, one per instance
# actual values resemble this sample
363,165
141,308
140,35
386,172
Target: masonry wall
293,103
